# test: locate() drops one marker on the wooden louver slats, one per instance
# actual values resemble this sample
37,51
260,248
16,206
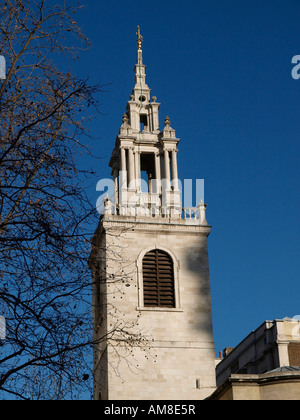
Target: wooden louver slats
158,279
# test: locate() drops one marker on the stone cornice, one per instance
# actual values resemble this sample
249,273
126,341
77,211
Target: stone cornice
159,224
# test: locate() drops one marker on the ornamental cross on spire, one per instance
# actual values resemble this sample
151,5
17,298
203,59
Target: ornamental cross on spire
140,39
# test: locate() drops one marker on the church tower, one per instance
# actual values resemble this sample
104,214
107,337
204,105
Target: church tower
151,288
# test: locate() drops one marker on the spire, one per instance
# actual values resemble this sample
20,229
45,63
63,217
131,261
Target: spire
139,47
140,39
141,91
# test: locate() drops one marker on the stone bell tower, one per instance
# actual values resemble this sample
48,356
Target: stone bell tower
151,287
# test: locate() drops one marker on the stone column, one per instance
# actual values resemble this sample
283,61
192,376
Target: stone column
123,159
131,169
116,184
138,170
123,179
167,169
157,173
174,170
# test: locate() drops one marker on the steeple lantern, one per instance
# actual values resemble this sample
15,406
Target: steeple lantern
141,148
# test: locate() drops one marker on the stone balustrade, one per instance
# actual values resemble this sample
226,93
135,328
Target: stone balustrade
149,206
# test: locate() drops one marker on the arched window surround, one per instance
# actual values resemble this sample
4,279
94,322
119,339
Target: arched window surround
176,267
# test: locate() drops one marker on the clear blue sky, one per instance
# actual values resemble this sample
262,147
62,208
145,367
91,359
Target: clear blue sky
222,72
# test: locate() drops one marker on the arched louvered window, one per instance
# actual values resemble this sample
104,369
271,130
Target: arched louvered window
158,279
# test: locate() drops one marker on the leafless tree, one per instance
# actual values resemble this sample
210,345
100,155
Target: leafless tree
46,218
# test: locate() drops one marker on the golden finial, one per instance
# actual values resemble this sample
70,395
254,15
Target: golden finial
140,39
